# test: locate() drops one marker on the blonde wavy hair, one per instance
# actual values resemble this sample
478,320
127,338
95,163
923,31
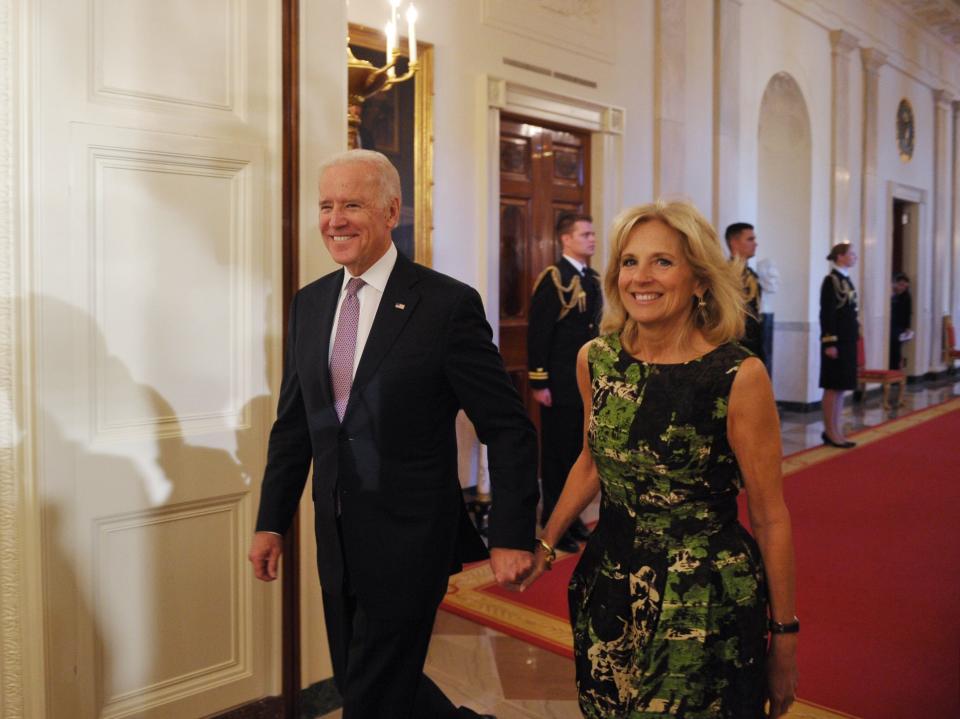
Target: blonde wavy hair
722,320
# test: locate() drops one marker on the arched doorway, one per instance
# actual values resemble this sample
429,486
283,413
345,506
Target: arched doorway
783,225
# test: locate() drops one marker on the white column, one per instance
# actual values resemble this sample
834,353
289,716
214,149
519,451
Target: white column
726,116
942,211
873,282
955,205
840,204
606,186
669,150
495,93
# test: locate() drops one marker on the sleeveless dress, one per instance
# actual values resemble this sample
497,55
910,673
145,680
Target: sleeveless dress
668,602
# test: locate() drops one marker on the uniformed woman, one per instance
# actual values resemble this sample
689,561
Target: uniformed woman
839,330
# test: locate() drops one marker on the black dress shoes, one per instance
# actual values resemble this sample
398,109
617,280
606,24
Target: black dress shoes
566,543
842,445
578,530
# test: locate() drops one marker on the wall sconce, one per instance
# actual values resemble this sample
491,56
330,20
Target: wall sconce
365,79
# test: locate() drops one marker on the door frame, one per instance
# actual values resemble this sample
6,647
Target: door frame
604,122
22,656
918,258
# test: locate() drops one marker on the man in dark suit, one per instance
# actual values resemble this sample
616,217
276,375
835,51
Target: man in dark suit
564,316
379,358
742,243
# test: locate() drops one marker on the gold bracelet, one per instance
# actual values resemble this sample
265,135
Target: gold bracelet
551,552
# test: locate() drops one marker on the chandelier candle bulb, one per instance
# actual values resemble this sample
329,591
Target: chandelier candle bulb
391,32
411,33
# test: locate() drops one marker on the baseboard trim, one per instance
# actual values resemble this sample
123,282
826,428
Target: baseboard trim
315,701
266,708
802,407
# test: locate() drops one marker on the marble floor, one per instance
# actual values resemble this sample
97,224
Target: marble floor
497,674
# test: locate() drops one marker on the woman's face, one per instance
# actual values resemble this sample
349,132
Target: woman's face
656,283
849,259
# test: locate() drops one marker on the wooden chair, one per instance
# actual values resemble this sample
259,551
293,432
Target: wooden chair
884,377
950,350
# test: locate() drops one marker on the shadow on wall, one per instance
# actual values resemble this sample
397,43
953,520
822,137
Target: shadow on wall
144,532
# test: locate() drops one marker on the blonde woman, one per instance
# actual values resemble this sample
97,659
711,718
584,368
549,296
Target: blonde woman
676,610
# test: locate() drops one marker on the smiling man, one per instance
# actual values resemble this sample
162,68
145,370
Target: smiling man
380,356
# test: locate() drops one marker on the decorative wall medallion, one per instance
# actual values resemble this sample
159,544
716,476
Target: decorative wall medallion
905,130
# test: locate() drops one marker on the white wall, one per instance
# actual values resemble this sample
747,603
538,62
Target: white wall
698,175
917,175
466,49
777,40
776,36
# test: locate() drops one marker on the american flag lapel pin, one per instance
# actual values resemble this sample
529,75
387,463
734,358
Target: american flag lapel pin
400,306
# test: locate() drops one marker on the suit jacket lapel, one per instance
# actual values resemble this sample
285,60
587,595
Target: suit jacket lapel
396,306
324,307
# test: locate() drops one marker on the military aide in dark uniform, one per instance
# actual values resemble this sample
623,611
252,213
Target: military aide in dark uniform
901,317
839,331
564,316
742,242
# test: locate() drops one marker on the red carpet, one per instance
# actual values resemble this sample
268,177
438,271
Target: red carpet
538,616
878,573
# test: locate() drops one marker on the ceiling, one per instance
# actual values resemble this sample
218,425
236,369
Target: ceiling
940,16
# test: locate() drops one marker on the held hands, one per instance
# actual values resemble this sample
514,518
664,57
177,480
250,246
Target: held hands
511,567
541,563
543,396
264,555
830,352
781,674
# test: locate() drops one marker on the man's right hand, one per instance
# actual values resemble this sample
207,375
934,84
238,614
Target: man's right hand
543,396
265,551
510,566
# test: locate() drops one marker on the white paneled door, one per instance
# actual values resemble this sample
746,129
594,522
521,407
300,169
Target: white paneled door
155,135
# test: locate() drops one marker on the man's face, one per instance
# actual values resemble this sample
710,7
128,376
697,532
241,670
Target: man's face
744,244
901,286
353,221
580,242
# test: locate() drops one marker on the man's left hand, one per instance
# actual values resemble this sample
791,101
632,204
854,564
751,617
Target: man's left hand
510,566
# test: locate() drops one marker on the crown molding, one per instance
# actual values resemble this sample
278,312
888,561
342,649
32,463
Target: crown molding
919,52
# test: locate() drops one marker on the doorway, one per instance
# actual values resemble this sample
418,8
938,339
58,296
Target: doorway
905,225
544,172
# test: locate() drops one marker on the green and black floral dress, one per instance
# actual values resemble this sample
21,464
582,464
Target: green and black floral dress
668,602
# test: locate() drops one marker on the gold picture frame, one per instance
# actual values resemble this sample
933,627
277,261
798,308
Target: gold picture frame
422,140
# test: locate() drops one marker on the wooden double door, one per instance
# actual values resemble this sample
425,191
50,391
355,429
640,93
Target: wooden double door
544,172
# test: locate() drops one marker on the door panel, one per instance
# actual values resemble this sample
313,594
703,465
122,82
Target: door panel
157,330
543,173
